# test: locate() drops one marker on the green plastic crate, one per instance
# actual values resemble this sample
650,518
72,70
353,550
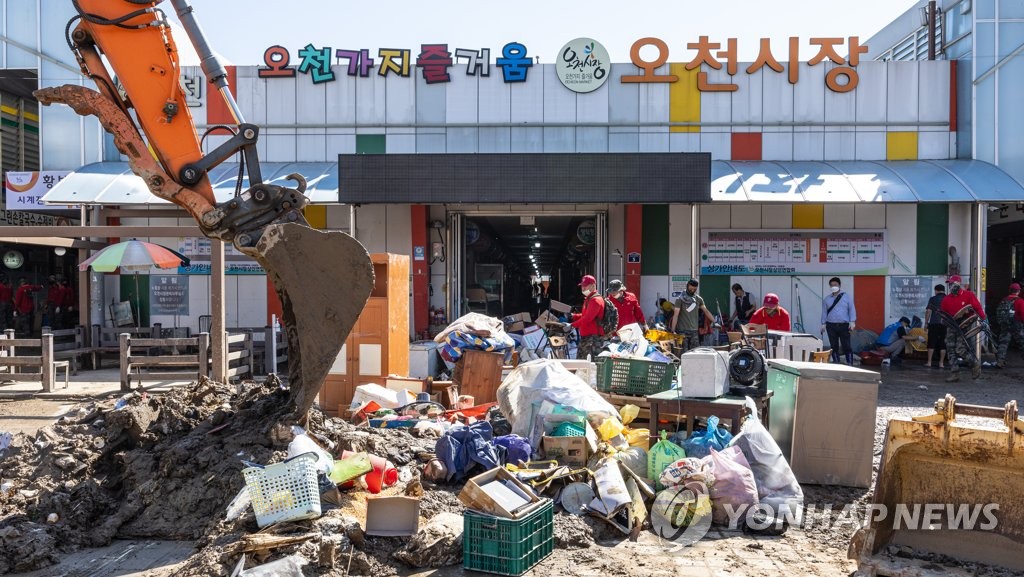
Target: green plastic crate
507,546
638,377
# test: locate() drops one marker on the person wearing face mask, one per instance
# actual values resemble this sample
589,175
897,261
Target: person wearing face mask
627,304
686,318
774,317
838,318
588,322
962,305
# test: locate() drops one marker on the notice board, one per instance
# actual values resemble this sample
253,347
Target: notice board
816,252
168,295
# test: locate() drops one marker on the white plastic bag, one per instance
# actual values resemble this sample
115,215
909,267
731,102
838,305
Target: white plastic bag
734,484
302,443
777,486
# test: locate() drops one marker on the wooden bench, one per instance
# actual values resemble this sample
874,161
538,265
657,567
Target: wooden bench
12,364
134,356
104,340
69,345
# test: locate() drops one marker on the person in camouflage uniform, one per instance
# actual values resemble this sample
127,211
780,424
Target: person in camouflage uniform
958,299
1010,316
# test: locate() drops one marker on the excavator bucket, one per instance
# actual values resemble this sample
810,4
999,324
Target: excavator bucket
946,489
323,280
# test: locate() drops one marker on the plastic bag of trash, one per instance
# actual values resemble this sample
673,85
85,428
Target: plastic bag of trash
628,412
661,455
701,443
776,484
688,469
302,443
637,437
734,483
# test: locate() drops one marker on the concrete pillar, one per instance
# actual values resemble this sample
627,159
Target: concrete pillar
218,334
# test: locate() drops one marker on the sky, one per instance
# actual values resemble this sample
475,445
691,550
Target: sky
241,30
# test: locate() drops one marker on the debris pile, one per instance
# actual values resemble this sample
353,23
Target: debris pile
167,466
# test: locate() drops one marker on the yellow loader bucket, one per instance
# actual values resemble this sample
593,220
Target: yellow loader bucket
946,488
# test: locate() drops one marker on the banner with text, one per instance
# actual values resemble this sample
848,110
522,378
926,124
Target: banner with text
24,189
819,252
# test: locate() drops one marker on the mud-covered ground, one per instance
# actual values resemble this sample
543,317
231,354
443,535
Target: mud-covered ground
166,466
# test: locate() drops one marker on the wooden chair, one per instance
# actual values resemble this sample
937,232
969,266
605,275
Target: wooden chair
821,356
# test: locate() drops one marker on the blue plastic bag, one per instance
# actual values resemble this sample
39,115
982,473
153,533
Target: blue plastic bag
700,443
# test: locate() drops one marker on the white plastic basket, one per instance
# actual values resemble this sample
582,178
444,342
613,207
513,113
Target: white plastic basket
285,491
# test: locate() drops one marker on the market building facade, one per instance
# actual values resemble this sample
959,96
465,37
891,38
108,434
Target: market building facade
776,174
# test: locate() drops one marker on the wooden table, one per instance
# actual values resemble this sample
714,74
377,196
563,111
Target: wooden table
732,408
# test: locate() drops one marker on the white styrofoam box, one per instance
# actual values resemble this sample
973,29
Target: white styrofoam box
703,373
423,359
384,397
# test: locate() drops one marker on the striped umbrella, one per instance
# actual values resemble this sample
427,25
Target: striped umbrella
134,255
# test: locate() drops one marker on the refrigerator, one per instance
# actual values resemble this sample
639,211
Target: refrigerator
823,418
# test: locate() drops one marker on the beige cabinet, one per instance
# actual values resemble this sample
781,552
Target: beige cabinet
378,345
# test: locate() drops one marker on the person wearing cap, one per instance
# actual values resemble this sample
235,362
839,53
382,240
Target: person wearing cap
588,322
686,318
627,304
1010,315
894,339
956,305
771,315
838,318
936,330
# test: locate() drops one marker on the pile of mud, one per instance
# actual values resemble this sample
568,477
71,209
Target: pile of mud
166,466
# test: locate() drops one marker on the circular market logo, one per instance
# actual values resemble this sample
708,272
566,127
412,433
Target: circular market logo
682,514
583,65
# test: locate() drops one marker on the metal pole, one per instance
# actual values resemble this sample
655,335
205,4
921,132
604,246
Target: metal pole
978,268
212,68
218,333
931,29
694,240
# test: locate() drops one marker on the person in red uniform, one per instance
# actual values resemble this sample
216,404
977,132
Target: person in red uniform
771,315
588,322
962,305
51,308
24,306
67,304
6,297
627,304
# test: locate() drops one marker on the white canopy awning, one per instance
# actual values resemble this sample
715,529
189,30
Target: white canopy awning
862,181
113,183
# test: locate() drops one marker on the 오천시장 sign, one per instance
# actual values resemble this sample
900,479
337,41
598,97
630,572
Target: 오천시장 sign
583,64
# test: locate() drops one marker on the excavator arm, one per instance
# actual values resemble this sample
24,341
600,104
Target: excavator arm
323,279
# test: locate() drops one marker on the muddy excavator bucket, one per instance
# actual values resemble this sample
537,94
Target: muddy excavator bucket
946,489
323,280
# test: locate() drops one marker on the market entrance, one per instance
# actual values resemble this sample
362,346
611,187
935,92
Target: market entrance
511,263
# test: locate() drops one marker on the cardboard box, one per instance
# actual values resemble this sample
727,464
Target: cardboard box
516,327
525,317
392,516
560,307
571,451
498,492
534,337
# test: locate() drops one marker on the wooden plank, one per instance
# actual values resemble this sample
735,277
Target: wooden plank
191,341
21,342
21,361
166,376
236,355
164,360
21,376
